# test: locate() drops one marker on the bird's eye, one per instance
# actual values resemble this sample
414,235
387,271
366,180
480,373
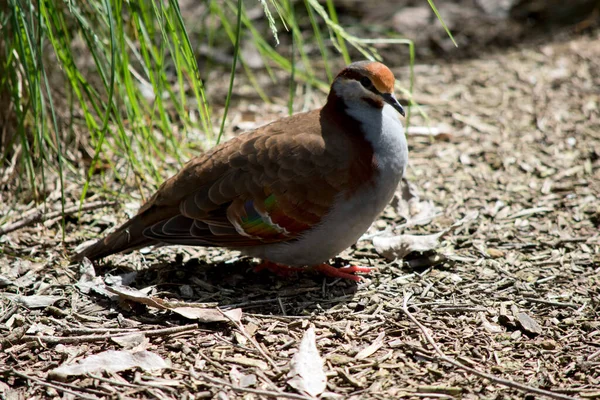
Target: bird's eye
366,82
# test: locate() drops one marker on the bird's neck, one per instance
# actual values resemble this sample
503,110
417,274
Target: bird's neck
336,118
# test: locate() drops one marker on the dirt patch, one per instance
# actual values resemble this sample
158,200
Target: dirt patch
514,294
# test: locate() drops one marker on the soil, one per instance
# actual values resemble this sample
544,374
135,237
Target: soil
514,294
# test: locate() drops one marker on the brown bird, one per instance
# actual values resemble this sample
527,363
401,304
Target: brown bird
295,192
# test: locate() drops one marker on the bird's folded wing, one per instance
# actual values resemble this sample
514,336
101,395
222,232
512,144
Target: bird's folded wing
258,189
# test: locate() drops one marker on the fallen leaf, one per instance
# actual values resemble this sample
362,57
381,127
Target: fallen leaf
528,324
409,205
10,393
530,211
505,318
134,340
34,301
395,247
88,281
372,348
196,311
137,296
306,368
39,328
247,362
488,326
203,314
235,375
240,339
240,379
110,361
235,314
22,273
440,132
121,280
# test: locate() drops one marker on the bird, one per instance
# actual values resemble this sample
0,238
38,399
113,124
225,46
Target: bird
295,192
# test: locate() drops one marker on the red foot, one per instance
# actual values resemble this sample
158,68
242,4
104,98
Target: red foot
344,272
278,269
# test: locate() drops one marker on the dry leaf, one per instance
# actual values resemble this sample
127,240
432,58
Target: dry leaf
121,280
488,326
240,379
440,132
235,314
372,348
208,314
34,301
135,340
195,311
88,281
137,296
394,247
110,361
22,273
306,368
409,205
528,324
40,329
530,211
247,362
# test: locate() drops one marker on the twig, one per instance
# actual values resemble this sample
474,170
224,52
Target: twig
458,309
251,340
48,384
112,381
95,338
115,331
493,378
348,378
39,216
277,394
551,303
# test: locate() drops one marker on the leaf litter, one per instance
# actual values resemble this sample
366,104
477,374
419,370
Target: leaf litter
397,247
196,311
110,361
306,367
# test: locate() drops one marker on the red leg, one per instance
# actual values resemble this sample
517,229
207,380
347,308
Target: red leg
278,269
344,272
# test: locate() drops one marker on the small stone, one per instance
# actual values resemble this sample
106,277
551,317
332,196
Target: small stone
186,291
548,344
495,253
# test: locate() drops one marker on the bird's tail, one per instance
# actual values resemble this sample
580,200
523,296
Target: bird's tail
129,236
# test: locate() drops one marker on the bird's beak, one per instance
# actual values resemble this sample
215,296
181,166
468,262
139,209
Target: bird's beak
392,101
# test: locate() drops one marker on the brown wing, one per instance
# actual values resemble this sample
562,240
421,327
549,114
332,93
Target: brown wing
266,186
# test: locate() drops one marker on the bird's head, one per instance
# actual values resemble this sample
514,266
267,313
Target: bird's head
369,82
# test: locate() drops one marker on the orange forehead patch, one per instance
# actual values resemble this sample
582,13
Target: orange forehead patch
381,76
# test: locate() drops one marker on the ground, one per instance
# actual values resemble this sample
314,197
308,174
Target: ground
514,293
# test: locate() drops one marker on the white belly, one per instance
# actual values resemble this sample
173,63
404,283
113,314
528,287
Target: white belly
340,229
350,218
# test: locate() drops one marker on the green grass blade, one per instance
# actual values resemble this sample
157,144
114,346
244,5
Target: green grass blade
236,52
439,17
